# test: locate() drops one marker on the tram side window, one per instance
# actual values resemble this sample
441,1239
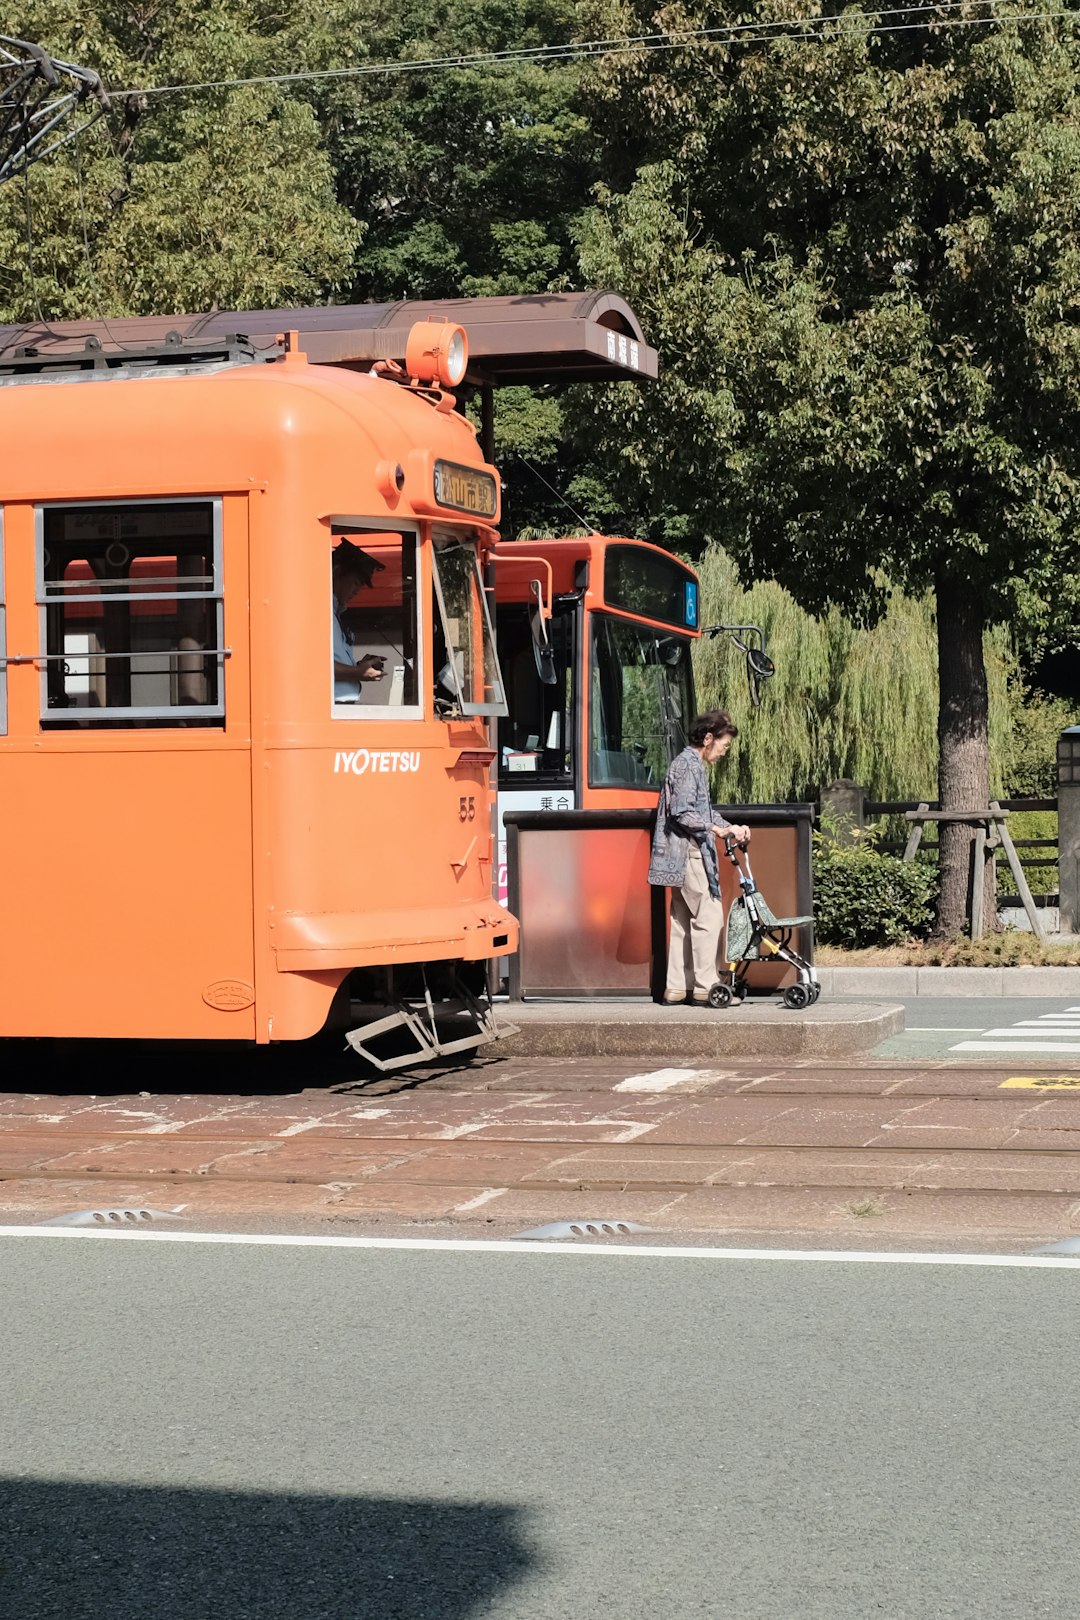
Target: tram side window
3,637
374,624
130,599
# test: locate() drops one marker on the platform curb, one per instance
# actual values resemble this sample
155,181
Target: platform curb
676,1032
1021,982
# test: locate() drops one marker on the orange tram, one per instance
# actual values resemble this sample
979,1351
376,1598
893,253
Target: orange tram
242,801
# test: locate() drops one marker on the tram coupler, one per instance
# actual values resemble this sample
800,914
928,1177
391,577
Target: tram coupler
420,1018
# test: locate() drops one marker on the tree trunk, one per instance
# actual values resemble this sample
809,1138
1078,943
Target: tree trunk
963,748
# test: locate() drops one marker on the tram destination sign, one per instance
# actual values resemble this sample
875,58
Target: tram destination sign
465,489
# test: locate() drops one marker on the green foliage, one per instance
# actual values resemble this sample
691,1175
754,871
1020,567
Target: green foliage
861,260
469,179
181,202
1032,824
1035,723
863,898
832,434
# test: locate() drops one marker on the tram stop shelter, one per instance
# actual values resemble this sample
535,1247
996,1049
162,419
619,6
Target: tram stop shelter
530,338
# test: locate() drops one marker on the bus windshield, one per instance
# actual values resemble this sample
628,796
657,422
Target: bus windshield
640,698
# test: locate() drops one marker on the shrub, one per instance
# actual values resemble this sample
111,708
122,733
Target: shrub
862,897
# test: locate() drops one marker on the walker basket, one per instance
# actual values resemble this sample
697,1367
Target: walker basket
744,940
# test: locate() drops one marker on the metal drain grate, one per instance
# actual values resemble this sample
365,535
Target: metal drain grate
124,1216
585,1229
1069,1245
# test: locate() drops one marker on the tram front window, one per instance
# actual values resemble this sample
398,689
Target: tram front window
640,698
467,675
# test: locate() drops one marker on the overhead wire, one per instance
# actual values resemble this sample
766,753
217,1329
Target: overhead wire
795,29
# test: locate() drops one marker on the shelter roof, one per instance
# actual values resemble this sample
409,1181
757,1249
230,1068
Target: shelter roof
531,338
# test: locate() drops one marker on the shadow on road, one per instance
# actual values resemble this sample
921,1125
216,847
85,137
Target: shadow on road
71,1068
117,1552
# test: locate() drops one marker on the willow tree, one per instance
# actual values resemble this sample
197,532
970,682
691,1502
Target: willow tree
838,690
859,252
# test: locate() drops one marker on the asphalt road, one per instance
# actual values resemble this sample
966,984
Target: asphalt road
986,1029
195,1431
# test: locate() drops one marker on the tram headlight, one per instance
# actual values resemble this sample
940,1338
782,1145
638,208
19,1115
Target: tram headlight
437,351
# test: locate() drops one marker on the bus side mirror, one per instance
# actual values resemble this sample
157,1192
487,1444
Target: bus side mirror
543,652
759,666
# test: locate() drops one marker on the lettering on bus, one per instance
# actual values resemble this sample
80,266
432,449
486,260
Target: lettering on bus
376,761
465,489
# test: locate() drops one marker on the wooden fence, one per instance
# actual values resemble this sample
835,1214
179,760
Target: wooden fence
1033,852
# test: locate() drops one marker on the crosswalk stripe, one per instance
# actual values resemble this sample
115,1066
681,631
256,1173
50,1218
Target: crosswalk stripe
1015,1046
1026,1031
1049,1024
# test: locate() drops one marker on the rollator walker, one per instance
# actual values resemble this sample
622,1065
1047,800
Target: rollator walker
755,935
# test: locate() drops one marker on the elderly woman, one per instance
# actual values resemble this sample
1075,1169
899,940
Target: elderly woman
684,859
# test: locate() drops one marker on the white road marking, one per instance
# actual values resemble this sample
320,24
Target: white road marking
1048,1034
1015,1046
665,1079
481,1198
632,1132
1048,1021
1035,1262
1024,1031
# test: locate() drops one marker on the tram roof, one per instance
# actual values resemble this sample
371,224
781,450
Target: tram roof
531,338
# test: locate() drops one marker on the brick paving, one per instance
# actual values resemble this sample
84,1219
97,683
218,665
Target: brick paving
849,1151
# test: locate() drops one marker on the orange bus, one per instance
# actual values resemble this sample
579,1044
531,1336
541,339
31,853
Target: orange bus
595,637
212,830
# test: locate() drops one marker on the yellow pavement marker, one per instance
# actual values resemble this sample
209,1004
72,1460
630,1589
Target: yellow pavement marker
1042,1082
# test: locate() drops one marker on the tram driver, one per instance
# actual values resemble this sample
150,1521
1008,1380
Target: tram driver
352,570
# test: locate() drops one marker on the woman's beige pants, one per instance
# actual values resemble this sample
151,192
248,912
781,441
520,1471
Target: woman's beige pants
697,922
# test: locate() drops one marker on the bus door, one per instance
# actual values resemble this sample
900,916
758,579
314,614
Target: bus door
539,757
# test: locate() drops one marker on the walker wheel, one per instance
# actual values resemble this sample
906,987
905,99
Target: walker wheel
815,991
720,996
797,996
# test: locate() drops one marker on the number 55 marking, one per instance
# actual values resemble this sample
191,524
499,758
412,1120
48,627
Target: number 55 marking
467,809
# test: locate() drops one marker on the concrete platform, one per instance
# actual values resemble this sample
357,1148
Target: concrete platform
761,1028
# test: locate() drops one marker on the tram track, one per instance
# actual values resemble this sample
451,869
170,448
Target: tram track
751,1138
381,1144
